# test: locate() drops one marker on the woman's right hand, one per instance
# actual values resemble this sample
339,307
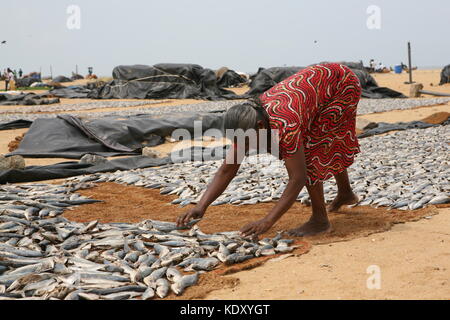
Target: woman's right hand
194,213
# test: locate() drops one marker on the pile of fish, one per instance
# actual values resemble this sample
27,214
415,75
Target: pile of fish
212,106
80,106
365,106
45,256
405,170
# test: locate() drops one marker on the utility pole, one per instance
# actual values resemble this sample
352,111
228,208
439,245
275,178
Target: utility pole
409,64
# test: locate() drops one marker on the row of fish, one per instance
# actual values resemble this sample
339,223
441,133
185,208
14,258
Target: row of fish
365,106
80,106
45,256
405,170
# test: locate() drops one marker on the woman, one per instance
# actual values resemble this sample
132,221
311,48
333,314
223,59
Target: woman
314,112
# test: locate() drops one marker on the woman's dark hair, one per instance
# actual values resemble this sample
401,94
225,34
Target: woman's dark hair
244,115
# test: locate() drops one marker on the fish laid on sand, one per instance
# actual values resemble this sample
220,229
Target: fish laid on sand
49,257
405,170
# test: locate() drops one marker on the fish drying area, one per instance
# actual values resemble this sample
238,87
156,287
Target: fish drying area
110,235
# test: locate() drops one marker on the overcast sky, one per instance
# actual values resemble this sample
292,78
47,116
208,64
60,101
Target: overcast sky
240,34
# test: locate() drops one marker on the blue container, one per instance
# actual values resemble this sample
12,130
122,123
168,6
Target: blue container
398,68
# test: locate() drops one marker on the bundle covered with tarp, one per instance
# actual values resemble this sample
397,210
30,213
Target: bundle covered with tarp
76,76
26,82
61,79
71,92
16,124
384,127
227,78
265,79
28,79
162,81
445,75
26,99
71,137
72,168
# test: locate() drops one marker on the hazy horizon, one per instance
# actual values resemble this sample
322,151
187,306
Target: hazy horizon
240,35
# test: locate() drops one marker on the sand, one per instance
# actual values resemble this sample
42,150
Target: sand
133,204
429,78
413,257
414,260
420,113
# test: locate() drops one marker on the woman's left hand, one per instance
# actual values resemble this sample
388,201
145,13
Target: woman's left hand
257,227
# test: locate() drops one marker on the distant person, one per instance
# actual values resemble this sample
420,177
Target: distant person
314,115
9,76
380,67
12,79
20,73
372,65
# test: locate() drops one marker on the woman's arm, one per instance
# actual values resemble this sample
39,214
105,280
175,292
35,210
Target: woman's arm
296,168
222,179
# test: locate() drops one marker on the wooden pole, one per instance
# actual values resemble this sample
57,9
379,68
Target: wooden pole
409,63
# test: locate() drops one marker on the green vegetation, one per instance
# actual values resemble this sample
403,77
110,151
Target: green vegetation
31,88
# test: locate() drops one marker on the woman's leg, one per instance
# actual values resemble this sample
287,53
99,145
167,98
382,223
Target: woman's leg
345,195
319,219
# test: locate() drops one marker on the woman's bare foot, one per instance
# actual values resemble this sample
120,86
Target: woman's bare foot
340,200
310,228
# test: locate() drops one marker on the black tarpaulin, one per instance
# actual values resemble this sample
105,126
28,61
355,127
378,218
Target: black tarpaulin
265,79
17,124
29,98
71,137
445,75
381,93
26,82
61,79
72,92
162,81
71,168
55,137
227,78
76,77
383,127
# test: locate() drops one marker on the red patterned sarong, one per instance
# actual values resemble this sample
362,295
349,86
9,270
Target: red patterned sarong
317,107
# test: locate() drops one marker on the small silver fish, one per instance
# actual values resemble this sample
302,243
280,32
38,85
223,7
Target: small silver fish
186,281
148,294
162,287
173,275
